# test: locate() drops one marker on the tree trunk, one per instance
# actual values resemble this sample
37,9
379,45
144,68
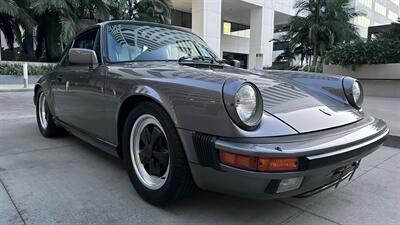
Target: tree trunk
315,49
52,37
27,45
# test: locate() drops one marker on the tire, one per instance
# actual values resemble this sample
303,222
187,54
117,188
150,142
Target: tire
45,121
162,184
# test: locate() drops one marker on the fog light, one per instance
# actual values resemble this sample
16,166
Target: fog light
289,184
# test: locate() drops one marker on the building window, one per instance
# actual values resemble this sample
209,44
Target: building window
236,29
243,58
397,2
280,46
392,15
182,19
380,9
227,28
367,3
363,21
281,28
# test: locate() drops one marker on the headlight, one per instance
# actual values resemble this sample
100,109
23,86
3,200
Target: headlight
353,91
244,104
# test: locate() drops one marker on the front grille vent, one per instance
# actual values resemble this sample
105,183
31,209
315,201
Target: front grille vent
205,150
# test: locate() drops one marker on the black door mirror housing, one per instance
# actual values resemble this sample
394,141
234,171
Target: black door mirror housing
83,56
235,63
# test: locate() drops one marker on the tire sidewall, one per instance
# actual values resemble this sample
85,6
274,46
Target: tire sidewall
52,129
41,129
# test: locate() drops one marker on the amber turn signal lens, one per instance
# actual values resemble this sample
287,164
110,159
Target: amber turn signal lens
278,164
258,164
239,161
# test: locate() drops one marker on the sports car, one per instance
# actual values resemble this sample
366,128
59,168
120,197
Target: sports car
179,117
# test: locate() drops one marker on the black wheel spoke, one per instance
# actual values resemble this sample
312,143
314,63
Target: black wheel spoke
162,157
155,169
145,136
142,156
156,136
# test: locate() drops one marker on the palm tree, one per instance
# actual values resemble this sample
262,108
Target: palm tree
13,15
158,11
321,24
60,20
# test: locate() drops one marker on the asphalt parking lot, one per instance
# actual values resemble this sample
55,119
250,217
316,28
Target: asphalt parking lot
65,181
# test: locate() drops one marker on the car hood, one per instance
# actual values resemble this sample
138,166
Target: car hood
304,101
303,105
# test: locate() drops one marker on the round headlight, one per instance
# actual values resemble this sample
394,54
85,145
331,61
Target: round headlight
357,93
353,91
248,104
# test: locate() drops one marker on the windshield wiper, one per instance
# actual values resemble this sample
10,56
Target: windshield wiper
196,59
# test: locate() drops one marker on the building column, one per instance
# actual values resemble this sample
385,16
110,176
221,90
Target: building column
261,34
206,22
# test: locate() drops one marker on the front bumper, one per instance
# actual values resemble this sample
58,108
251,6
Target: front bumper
321,155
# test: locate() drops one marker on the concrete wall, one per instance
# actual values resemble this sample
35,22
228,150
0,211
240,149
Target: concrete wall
381,80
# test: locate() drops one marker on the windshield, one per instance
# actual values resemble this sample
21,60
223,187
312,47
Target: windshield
131,42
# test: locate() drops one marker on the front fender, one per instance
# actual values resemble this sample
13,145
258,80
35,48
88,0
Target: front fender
199,107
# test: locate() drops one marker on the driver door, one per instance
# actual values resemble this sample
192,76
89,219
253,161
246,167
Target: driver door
84,107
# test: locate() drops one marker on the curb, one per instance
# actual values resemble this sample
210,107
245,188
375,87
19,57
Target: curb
15,89
392,141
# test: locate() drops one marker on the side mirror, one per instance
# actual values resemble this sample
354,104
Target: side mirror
235,63
83,56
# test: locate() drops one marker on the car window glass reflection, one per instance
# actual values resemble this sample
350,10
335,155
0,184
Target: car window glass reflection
127,42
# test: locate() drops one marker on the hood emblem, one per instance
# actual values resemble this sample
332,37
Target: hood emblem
325,112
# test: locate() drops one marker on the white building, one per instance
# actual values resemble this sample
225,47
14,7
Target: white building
376,12
240,29
246,27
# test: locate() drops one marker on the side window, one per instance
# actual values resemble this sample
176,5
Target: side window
64,59
89,40
86,41
97,47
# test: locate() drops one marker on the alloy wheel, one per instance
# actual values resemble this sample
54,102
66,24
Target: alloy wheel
150,152
43,115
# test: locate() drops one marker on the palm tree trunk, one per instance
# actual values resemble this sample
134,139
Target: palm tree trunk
52,37
27,45
315,50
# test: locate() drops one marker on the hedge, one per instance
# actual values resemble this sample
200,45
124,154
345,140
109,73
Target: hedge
16,69
378,51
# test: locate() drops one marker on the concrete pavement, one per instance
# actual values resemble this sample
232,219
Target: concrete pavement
387,109
65,181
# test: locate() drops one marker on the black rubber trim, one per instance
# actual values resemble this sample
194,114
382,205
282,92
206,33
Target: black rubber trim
316,163
206,152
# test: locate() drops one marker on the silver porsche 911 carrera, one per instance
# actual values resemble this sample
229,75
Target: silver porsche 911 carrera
179,117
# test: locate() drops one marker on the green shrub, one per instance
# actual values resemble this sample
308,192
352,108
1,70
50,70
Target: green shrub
16,69
378,51
283,66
